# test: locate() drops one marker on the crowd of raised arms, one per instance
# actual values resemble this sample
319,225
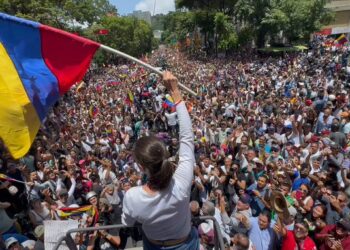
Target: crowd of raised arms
265,128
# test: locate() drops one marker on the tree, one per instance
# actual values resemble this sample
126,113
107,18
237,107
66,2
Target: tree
225,37
64,14
297,19
127,34
177,25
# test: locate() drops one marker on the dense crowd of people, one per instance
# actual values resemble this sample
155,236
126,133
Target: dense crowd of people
270,134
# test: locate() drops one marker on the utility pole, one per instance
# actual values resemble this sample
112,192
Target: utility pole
154,7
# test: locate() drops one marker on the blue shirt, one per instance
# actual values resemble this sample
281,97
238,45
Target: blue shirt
261,239
256,204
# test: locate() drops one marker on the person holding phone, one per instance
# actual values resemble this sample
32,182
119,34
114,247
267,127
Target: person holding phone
303,201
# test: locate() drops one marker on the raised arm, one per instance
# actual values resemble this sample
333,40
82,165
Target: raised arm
184,172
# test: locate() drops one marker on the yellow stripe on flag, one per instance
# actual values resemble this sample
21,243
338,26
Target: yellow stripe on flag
342,36
19,121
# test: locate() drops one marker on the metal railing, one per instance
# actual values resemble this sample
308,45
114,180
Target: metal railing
219,242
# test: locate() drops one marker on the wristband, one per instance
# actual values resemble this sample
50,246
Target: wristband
178,102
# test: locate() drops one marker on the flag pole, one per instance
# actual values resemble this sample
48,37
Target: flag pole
146,65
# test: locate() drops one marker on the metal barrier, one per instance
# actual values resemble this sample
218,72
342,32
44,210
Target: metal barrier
219,242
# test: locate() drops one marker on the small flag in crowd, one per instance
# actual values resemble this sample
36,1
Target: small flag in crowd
38,64
113,83
93,111
66,212
102,32
342,39
99,88
168,102
131,97
4,177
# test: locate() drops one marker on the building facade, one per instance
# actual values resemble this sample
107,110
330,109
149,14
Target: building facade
341,23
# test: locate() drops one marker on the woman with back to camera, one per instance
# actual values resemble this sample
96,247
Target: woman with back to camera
162,204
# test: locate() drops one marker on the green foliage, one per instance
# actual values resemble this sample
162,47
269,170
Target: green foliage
228,43
158,22
226,36
178,25
128,34
296,19
245,36
59,13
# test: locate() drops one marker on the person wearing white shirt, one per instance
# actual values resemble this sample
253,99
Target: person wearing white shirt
161,205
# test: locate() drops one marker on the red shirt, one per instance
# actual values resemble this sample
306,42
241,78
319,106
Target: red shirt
330,229
289,243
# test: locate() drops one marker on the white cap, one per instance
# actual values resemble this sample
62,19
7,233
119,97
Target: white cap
28,244
13,190
331,97
292,211
257,160
10,241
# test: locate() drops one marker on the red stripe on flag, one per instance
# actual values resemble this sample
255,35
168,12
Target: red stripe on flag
67,56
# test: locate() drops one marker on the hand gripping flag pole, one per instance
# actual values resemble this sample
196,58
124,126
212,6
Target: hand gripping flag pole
146,65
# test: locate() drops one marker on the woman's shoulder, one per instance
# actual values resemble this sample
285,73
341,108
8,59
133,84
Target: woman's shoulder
132,192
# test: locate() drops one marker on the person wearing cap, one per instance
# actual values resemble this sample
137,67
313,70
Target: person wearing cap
296,239
275,155
335,236
13,244
290,131
39,235
239,221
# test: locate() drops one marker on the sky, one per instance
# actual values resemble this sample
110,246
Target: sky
127,6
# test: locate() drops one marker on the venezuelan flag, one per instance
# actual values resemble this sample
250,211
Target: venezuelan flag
66,212
342,39
38,63
169,102
130,97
